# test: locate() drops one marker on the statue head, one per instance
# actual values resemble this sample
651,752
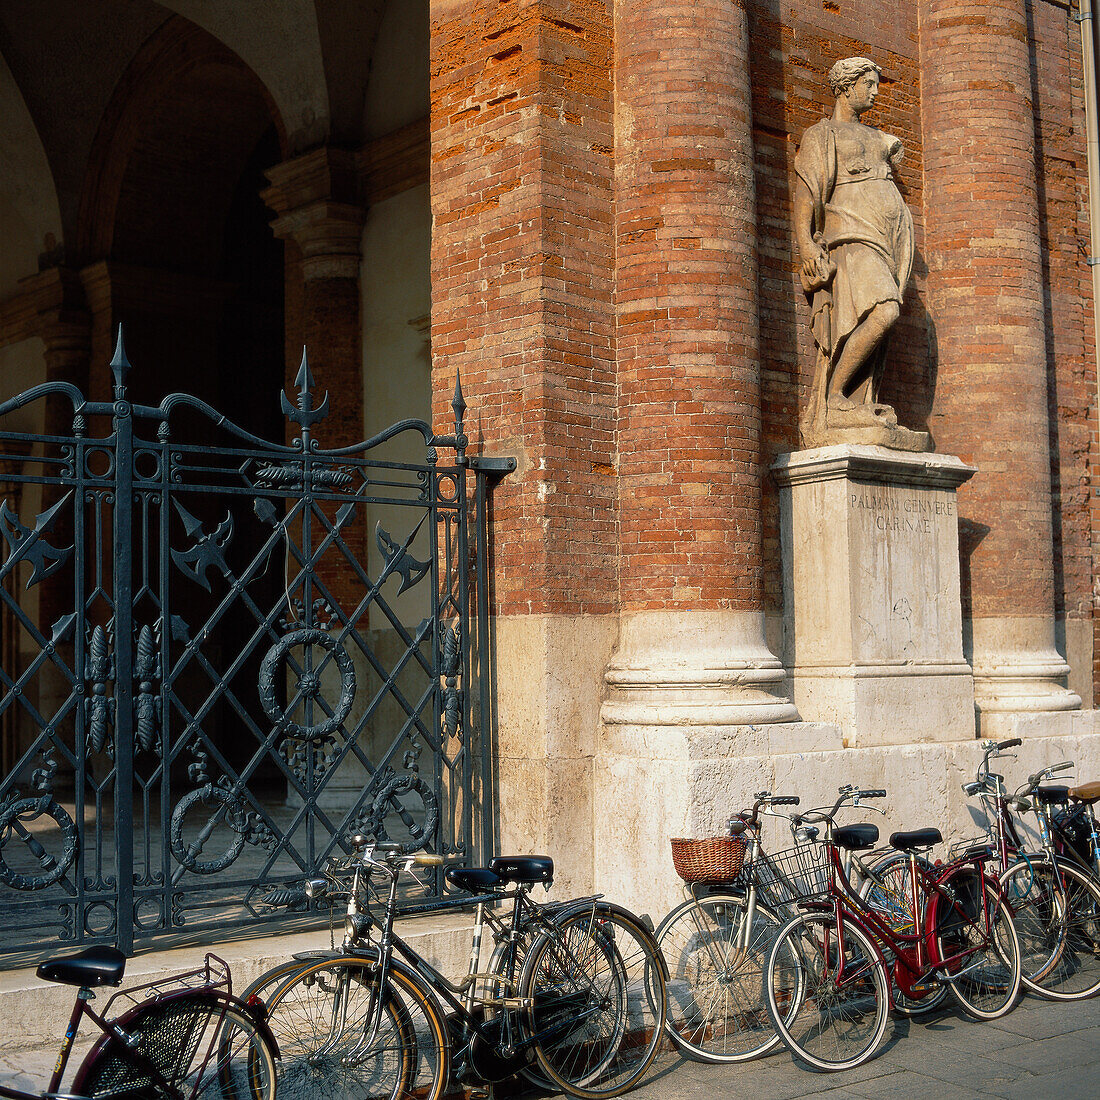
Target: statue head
846,72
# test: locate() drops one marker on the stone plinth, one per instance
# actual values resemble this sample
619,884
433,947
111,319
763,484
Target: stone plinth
873,618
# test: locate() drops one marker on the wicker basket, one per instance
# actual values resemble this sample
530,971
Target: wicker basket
713,859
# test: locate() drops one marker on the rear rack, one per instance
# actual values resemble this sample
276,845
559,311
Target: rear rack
213,975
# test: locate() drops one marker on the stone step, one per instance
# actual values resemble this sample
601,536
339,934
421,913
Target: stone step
35,1013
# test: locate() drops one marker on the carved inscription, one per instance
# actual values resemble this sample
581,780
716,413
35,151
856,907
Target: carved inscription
891,511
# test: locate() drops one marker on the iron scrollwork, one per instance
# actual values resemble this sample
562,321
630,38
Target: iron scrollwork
16,819
227,807
309,685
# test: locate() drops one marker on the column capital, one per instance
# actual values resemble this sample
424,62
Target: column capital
317,202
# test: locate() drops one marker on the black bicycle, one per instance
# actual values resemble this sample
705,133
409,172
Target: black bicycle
573,995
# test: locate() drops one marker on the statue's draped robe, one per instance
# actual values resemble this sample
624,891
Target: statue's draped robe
863,222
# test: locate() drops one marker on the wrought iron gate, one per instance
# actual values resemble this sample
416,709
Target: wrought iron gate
212,677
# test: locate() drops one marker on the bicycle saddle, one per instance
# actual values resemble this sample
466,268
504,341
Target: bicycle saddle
1051,795
92,966
916,838
856,837
1087,792
477,880
523,868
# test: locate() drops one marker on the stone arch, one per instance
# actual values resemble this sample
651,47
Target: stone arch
172,234
30,217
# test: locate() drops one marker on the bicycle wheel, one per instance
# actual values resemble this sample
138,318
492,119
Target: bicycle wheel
1057,913
887,890
827,991
598,1001
180,1036
977,945
270,980
716,1004
323,1018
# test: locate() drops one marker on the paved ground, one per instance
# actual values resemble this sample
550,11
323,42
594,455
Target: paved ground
1042,1049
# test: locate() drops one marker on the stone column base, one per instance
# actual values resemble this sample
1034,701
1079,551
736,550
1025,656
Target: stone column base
1018,672
695,668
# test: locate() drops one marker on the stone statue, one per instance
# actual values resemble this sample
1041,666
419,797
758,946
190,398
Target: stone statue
855,240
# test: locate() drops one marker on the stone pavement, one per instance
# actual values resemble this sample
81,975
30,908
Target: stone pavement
1041,1049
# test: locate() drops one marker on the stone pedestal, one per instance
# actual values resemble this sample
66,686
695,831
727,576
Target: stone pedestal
873,618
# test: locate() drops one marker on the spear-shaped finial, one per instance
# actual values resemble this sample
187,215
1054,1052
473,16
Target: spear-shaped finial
458,403
120,366
305,413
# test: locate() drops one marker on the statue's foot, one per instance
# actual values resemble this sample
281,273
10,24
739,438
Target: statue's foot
839,403
851,415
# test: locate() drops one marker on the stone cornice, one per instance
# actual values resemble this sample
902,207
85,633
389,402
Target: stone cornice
872,464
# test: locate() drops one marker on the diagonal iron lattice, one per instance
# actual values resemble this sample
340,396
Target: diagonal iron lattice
212,676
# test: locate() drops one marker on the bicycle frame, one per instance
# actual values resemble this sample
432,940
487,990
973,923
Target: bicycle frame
460,997
113,1030
916,955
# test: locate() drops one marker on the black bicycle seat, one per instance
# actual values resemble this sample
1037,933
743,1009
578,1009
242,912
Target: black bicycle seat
477,880
856,837
93,966
917,838
525,869
1051,795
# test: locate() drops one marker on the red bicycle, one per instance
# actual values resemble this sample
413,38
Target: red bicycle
827,980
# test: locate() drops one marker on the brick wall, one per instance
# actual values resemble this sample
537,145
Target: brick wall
548,217
522,264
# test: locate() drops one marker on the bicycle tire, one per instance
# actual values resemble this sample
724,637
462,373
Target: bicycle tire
180,1036
320,1017
825,1025
717,1008
1058,922
597,998
989,987
887,891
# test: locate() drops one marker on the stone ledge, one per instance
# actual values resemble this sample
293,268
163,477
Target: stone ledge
36,1012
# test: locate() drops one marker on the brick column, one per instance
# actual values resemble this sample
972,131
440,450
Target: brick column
316,198
522,270
985,298
692,648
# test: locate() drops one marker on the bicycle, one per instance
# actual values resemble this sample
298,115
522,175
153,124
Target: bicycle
716,942
179,1038
827,983
574,994
1056,905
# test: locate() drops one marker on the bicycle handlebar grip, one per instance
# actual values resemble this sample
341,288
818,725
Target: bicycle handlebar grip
428,859
786,800
1011,743
1066,764
878,792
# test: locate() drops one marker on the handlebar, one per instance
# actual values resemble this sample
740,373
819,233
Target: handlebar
1034,780
846,793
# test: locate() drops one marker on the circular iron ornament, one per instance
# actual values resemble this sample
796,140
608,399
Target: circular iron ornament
188,856
99,919
12,827
446,489
309,684
401,785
